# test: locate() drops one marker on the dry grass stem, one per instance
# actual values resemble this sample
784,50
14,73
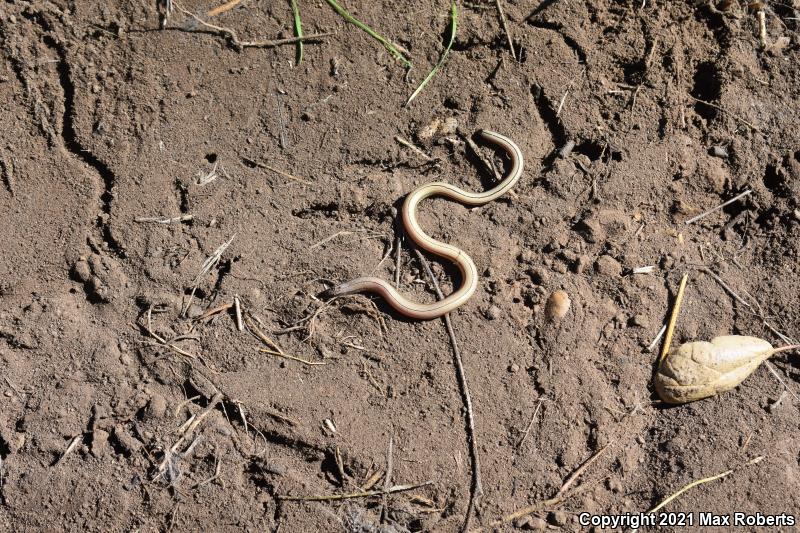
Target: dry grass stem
262,336
477,486
372,480
580,470
72,445
292,357
414,148
164,220
673,319
660,334
362,494
717,208
504,22
754,307
211,312
207,177
237,306
220,9
238,44
720,108
530,424
276,171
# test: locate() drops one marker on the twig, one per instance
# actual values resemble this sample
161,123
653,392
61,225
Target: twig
217,470
561,103
261,336
164,220
538,506
505,28
212,312
397,260
234,40
530,424
387,480
227,6
72,445
786,388
580,470
717,208
727,288
276,171
169,343
15,389
167,469
372,480
673,319
206,267
756,310
411,146
477,486
337,455
292,357
362,494
658,338
237,306
762,27
719,108
687,487
212,404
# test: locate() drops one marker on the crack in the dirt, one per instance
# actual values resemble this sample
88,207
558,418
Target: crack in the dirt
547,112
73,145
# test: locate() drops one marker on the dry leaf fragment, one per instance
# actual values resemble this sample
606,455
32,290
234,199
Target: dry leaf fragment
697,370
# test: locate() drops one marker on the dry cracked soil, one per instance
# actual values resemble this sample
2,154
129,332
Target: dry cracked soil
131,154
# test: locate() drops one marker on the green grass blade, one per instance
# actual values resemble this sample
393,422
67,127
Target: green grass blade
298,31
372,33
453,28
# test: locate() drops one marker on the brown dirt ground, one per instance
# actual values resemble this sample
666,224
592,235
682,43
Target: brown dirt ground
106,118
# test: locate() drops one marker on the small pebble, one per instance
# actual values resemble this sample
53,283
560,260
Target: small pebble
513,368
557,306
719,151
